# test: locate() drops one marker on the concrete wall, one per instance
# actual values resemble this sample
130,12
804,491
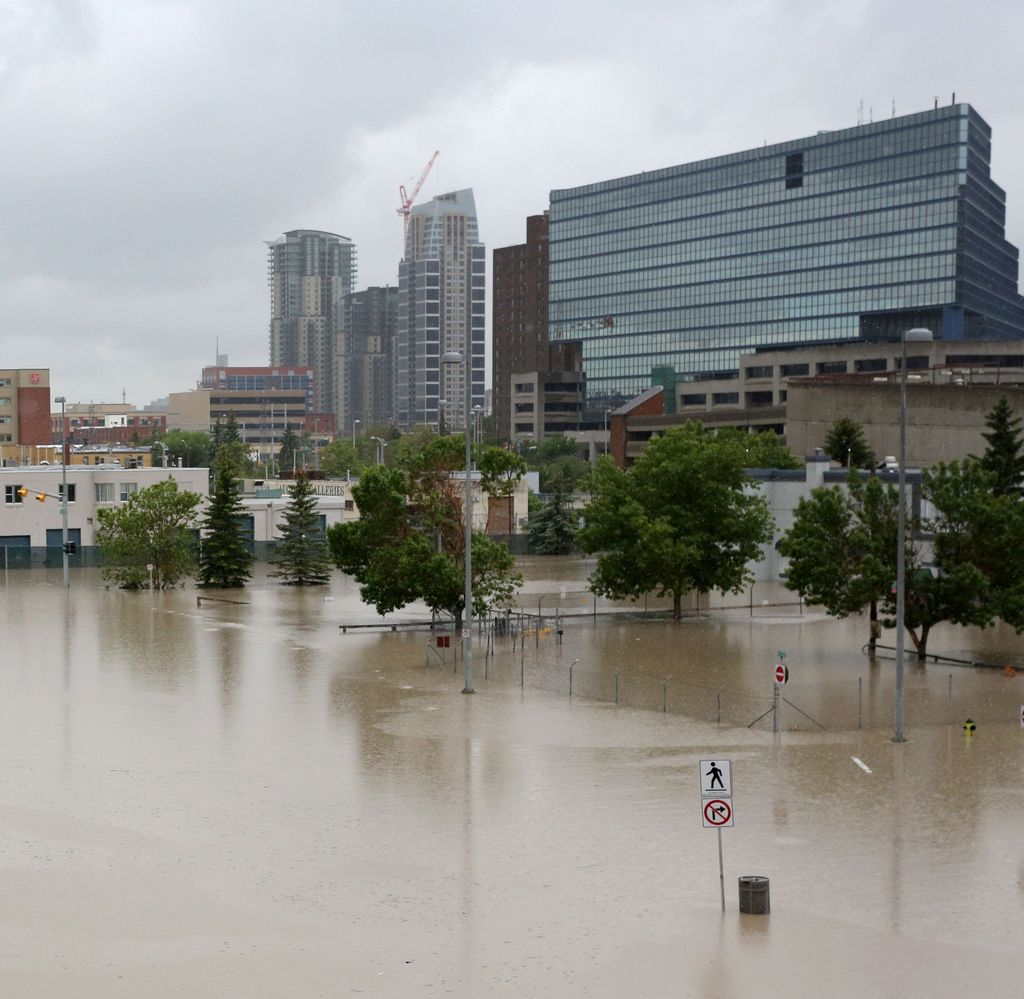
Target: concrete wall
944,422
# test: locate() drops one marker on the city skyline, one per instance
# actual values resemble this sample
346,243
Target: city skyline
133,231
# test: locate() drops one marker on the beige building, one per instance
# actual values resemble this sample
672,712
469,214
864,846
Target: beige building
951,386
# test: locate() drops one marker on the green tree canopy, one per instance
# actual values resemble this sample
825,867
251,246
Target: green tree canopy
155,527
300,556
764,449
553,525
501,471
409,541
193,447
681,519
224,558
845,442
1004,454
342,457
964,565
842,547
288,460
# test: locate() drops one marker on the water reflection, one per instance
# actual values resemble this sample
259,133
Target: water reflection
237,791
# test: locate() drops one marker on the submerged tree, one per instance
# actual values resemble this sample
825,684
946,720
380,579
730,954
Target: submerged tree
409,541
224,557
842,548
501,471
150,539
553,526
300,556
680,520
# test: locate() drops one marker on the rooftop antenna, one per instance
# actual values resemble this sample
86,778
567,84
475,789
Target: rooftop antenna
860,112
894,107
954,97
936,102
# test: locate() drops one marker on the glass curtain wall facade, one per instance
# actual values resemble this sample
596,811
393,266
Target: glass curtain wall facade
858,233
309,273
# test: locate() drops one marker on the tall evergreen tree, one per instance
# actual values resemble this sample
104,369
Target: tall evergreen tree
1004,455
845,442
224,558
553,526
301,556
288,454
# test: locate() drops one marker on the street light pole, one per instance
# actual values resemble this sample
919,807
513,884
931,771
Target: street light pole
454,357
64,488
917,335
355,423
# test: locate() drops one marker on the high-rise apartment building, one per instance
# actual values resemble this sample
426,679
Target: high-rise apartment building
441,303
519,315
860,233
310,272
366,355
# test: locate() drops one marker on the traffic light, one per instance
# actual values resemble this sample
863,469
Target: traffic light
22,491
70,548
41,497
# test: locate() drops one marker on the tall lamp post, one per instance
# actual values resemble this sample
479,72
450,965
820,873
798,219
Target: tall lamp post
916,335
64,488
454,357
355,423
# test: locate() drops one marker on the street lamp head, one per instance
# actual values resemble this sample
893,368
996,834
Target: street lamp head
60,399
918,335
451,357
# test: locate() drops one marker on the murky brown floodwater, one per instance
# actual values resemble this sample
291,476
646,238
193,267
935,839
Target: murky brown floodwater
237,799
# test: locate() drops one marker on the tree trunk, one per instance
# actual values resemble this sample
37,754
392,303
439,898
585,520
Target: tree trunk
677,606
876,628
922,646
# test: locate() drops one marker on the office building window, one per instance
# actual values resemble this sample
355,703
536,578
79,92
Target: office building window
104,492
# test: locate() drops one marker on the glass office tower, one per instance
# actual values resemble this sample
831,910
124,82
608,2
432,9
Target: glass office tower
858,233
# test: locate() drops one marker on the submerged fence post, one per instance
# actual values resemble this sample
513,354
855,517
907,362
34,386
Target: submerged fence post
950,688
718,698
860,702
664,694
617,672
574,662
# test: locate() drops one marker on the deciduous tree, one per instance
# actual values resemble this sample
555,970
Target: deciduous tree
501,471
154,527
681,519
409,541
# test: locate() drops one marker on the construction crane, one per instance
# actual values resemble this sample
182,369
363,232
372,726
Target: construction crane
407,199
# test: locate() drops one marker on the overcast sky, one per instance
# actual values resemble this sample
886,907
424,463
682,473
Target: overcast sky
149,147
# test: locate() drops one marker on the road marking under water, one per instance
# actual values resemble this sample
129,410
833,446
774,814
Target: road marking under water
861,764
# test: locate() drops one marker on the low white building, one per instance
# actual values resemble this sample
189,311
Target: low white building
33,518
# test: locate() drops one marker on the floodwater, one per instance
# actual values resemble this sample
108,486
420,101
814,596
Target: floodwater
236,797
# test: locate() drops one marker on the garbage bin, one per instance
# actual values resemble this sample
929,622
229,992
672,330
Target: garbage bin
754,897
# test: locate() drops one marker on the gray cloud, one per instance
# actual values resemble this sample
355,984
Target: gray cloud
150,147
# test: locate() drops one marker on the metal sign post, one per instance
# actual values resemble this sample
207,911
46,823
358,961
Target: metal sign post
716,805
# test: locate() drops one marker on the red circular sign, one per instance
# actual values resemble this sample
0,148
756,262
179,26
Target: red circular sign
718,812
781,673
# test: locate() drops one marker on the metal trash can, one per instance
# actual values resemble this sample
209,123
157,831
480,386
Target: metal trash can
754,896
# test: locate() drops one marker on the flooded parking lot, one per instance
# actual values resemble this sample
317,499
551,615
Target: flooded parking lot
236,798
